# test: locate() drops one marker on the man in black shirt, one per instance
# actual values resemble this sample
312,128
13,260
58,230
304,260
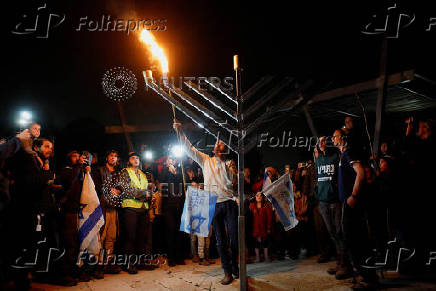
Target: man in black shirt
351,177
31,174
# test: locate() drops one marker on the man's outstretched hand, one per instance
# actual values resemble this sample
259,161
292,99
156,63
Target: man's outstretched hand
176,124
24,135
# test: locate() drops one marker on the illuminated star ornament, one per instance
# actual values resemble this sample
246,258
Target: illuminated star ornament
119,84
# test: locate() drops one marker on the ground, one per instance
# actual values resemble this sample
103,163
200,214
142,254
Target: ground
289,274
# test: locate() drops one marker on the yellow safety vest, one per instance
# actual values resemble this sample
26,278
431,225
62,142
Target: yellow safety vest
141,183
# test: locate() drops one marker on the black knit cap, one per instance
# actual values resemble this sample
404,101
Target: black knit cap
108,152
131,154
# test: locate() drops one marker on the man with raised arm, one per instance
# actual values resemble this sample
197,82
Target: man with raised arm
220,177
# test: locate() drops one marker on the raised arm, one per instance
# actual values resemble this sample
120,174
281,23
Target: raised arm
191,151
10,147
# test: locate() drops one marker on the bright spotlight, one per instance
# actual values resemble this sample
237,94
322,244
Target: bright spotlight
148,155
177,151
23,122
24,118
26,115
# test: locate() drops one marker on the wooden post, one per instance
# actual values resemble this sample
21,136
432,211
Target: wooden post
381,98
123,125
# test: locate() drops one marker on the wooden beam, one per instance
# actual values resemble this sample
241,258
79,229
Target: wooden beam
310,120
116,129
393,79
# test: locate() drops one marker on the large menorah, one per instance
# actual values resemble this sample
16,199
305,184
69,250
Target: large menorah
234,119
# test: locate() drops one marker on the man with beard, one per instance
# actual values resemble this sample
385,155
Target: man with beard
8,148
31,176
220,177
351,178
101,177
71,179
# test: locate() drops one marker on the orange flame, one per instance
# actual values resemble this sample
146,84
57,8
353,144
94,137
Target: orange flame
157,52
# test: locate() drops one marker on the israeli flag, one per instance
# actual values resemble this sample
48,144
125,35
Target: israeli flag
90,218
281,196
198,211
266,180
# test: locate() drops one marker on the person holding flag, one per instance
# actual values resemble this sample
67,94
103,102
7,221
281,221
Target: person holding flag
220,178
91,219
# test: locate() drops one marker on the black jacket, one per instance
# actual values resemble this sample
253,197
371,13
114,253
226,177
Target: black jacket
8,148
30,183
173,193
71,179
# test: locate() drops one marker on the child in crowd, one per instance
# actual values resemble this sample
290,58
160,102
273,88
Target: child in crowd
262,224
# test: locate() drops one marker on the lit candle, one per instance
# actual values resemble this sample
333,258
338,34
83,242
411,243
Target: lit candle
235,62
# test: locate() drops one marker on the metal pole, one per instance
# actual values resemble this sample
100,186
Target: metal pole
241,216
179,139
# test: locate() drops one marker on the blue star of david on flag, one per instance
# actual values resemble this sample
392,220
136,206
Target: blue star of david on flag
200,220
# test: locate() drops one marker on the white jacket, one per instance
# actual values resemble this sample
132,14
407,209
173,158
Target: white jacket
218,174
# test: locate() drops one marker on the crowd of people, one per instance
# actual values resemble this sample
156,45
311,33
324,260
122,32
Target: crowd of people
351,204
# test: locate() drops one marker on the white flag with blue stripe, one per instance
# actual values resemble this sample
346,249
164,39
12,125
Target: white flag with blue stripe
198,211
281,196
266,179
90,218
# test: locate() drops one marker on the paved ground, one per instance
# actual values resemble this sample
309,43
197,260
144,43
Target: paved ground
278,275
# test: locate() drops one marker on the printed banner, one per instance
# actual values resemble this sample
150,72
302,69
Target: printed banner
198,211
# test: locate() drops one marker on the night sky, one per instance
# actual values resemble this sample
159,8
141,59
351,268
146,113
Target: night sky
59,78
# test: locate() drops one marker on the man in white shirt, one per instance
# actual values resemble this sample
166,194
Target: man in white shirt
220,177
